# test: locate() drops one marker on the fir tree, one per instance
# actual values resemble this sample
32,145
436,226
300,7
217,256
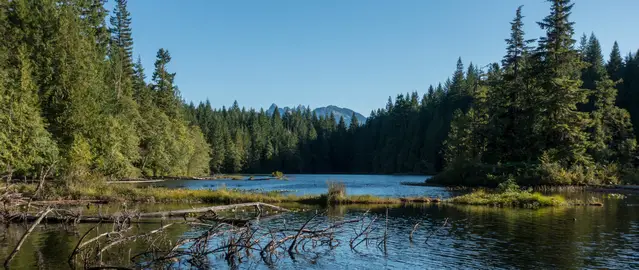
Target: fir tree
558,67
615,63
121,35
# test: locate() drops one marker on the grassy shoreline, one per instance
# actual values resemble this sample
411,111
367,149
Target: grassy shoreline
336,195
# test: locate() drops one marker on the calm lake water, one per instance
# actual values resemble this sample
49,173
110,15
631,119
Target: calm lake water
302,184
474,238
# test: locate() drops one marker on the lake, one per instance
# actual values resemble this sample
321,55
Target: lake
474,237
304,184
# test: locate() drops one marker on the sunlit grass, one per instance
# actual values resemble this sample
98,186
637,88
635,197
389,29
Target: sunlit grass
510,198
336,195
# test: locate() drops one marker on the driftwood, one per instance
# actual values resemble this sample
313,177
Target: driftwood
240,244
410,236
135,181
181,213
147,217
132,237
24,237
69,202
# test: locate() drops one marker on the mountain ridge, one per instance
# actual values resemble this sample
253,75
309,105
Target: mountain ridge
323,111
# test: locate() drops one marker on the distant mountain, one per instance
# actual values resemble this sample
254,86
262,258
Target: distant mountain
340,112
323,111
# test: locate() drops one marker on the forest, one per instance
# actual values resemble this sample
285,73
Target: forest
75,104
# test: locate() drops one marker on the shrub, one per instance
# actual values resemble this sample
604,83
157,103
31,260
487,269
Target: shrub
508,186
278,174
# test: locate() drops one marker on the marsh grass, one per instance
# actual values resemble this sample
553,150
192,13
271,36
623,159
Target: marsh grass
335,195
546,188
509,198
99,190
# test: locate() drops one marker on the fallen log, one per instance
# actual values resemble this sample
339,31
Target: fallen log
69,202
147,217
135,181
181,213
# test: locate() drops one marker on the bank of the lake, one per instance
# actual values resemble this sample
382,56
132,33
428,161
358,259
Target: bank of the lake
332,193
476,237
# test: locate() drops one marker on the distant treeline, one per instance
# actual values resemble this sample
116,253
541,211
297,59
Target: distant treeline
550,107
74,100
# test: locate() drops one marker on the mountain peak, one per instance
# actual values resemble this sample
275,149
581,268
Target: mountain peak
338,112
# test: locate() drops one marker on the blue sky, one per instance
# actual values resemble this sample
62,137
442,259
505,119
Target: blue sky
349,53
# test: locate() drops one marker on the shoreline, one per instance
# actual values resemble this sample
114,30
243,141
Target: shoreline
110,193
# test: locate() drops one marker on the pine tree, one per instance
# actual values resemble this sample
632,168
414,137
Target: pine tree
517,45
121,36
511,97
165,92
596,69
354,123
25,145
612,136
457,85
558,68
615,63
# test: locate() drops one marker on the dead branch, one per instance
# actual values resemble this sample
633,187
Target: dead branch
77,246
437,230
181,213
107,234
413,231
133,237
24,237
293,244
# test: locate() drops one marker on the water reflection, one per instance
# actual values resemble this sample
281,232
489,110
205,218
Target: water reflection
475,237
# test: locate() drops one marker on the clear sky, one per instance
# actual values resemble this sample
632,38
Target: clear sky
349,53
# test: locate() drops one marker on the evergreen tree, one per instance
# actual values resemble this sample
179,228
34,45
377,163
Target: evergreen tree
596,69
165,92
517,45
121,33
354,123
558,67
615,63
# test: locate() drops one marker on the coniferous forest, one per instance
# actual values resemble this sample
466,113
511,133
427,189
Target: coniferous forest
75,104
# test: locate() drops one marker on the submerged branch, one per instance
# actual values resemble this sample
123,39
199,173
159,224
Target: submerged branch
24,237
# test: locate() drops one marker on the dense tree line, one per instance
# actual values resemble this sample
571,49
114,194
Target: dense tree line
404,137
547,114
73,104
550,114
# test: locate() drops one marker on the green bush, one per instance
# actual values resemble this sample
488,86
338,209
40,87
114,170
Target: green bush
278,175
509,185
